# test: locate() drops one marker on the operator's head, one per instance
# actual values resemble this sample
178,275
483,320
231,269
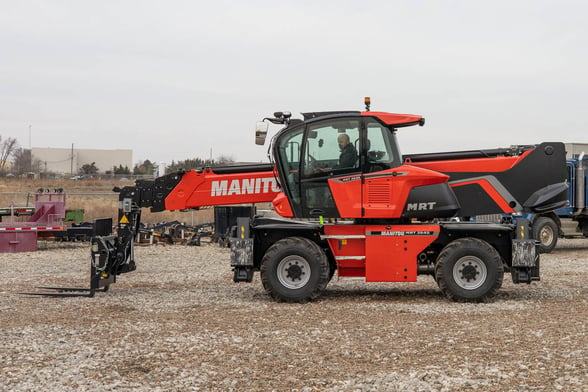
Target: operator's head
343,140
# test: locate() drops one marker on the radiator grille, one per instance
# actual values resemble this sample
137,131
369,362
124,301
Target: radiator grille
378,194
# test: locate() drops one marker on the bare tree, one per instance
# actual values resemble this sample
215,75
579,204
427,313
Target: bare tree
7,148
21,162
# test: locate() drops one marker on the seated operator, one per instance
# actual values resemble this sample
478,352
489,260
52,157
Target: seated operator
348,156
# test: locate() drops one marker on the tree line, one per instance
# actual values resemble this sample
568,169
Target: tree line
196,163
21,162
150,168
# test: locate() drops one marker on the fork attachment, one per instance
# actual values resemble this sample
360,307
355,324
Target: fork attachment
111,254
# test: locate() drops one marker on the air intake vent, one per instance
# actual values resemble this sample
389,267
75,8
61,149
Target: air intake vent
378,194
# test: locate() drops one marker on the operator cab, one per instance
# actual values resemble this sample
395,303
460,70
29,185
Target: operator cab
338,146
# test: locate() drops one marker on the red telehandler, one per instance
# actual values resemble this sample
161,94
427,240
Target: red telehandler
379,216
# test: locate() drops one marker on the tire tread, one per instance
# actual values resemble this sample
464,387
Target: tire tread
445,258
315,252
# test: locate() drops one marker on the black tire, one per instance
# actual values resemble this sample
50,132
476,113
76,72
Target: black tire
546,232
469,270
294,269
332,270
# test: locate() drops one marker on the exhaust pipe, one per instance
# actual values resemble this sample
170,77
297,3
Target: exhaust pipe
580,184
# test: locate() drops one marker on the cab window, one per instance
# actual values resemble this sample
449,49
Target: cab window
332,147
289,148
382,148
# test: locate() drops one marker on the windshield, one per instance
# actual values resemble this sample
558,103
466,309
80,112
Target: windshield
382,147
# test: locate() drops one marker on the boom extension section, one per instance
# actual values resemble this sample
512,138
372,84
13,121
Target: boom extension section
205,187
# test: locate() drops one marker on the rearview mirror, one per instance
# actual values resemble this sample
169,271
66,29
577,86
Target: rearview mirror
261,132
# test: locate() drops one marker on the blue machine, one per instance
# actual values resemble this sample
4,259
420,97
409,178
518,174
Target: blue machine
566,222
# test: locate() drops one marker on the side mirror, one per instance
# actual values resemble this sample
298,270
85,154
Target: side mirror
261,132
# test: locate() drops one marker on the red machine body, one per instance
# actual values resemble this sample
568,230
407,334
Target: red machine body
380,195
479,165
367,250
365,210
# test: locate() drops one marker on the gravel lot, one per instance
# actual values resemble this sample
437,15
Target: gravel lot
179,323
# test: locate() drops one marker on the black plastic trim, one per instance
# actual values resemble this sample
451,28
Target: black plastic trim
235,169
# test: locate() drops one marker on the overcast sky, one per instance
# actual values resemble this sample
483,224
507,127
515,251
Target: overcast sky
175,79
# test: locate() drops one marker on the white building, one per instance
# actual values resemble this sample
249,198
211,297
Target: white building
69,161
573,150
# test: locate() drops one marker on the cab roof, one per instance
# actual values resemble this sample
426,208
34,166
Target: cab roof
397,120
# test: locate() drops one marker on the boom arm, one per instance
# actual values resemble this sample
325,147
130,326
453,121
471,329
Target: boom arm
113,254
204,187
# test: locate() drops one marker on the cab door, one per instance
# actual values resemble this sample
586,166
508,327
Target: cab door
330,151
380,186
371,187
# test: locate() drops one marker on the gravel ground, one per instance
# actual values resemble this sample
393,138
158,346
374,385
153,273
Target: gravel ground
179,323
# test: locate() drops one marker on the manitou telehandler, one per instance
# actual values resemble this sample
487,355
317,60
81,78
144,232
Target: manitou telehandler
379,216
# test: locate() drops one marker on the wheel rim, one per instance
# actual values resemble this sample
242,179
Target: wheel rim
546,236
293,272
470,272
